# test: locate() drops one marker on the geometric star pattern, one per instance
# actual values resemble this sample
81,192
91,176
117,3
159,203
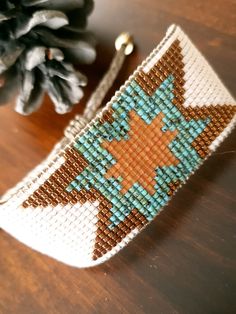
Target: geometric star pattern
137,154
144,152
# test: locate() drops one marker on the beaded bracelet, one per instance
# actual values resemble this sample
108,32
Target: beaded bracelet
96,193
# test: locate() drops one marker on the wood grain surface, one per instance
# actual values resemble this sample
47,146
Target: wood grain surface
184,262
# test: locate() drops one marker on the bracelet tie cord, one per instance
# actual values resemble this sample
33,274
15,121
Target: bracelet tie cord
109,177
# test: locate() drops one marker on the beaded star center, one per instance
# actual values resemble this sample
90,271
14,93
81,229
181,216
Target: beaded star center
138,157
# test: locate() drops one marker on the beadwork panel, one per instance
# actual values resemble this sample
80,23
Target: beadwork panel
146,144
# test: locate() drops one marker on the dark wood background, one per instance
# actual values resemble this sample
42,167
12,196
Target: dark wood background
184,262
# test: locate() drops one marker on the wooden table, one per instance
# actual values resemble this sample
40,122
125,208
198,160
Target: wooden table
184,262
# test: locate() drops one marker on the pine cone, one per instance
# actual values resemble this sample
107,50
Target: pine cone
40,39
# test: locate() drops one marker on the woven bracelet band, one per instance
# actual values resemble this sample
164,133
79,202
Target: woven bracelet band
98,190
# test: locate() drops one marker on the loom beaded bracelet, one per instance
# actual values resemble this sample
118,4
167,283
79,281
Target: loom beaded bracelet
94,193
